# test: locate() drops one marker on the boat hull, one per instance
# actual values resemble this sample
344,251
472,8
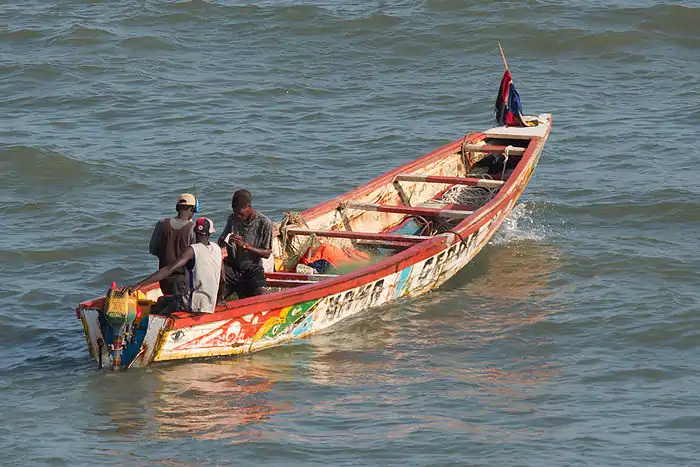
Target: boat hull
271,320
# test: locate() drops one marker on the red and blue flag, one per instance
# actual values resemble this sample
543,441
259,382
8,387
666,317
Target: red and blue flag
509,110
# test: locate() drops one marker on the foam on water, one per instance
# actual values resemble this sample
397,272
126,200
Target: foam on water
521,225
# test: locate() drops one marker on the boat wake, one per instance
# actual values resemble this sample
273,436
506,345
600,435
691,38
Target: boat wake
521,225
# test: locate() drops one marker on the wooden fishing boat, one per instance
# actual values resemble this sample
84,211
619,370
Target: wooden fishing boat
421,223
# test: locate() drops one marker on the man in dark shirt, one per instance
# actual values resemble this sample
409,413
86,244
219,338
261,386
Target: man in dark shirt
170,238
248,239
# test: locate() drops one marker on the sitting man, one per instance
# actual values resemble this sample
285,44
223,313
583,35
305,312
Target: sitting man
202,263
171,238
248,239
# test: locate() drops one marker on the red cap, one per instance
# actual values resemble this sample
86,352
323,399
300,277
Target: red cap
204,226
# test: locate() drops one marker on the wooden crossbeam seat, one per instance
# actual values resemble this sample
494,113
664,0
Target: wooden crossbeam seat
491,149
294,279
468,181
409,210
370,238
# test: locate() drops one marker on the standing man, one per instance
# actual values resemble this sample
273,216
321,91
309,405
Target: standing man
248,239
170,238
202,263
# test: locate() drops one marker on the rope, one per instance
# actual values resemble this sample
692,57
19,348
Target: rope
465,195
426,224
505,162
291,255
457,234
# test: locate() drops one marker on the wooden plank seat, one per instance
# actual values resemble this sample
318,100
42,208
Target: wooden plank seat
365,237
298,276
469,181
288,283
294,279
490,149
438,205
408,210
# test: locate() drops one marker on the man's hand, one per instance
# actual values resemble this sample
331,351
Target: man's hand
237,239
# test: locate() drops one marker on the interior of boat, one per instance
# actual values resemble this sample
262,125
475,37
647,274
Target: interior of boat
406,206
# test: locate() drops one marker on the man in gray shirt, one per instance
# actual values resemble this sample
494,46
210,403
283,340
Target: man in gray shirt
248,239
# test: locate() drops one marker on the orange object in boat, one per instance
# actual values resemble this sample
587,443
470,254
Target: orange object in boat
335,255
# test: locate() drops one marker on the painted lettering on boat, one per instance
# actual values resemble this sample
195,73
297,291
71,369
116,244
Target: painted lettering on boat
343,304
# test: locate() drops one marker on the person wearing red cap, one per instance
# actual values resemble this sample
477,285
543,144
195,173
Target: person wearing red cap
170,238
202,264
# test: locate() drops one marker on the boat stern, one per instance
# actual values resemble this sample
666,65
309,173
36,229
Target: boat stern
120,344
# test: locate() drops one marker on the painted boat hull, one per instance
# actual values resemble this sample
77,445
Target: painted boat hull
257,323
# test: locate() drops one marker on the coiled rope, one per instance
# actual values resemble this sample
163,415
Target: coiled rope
290,254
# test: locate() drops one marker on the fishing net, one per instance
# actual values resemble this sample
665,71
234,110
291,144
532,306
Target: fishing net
472,196
463,195
292,247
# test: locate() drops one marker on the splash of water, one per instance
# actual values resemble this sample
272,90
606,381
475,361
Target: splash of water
521,225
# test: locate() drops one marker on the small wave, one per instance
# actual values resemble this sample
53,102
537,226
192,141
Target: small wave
685,422
673,20
27,165
378,21
188,13
304,13
48,364
118,275
667,211
43,256
33,71
449,6
21,35
82,35
149,44
580,40
643,374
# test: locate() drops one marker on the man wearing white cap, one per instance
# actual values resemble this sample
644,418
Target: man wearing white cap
170,238
202,263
